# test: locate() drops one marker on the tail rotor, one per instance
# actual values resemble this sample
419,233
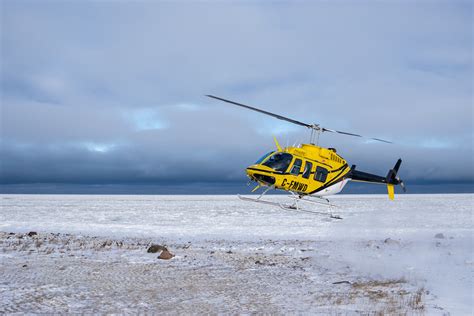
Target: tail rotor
402,185
393,179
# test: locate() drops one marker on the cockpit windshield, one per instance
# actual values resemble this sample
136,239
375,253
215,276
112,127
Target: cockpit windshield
263,157
279,161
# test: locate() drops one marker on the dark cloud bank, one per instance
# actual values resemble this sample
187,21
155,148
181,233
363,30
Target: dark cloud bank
108,97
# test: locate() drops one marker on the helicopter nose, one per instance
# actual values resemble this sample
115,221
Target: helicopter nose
256,169
260,174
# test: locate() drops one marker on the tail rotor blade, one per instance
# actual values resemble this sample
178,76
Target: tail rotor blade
402,184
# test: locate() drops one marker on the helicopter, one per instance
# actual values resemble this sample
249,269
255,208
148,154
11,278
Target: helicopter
309,172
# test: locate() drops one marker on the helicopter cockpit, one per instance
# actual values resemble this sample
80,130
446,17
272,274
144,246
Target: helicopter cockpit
277,161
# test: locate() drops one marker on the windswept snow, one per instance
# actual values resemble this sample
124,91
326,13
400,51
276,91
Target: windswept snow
411,255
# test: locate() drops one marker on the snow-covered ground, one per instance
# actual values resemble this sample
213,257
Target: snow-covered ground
413,255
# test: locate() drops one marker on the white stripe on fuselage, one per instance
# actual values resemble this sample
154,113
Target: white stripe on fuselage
333,189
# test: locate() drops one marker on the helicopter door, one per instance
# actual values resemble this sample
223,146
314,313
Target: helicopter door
307,169
295,170
300,184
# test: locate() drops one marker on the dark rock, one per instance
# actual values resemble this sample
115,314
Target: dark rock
439,236
31,234
156,248
165,255
24,266
258,262
342,282
106,243
229,252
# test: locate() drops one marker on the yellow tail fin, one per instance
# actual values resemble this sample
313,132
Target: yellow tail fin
391,191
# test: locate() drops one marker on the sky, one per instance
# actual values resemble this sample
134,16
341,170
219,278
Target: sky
113,92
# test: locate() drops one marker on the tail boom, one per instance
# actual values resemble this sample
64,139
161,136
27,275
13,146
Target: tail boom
391,180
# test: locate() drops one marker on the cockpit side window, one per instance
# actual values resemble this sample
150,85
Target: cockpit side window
278,161
263,157
307,169
295,170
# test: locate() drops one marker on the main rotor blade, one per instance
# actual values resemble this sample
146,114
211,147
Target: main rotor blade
382,140
356,135
261,111
340,132
316,127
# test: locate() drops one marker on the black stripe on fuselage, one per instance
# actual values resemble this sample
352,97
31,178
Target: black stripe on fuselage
338,178
272,172
336,170
288,173
322,163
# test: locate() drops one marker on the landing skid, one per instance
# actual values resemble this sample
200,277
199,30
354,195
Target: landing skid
295,207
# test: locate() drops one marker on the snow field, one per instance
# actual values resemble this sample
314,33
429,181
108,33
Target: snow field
234,256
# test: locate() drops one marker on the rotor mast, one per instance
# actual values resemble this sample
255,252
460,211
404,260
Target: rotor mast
315,133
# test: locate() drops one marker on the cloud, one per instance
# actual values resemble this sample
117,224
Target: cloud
114,91
145,119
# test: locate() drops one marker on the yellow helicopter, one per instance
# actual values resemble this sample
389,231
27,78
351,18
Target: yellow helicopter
309,172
